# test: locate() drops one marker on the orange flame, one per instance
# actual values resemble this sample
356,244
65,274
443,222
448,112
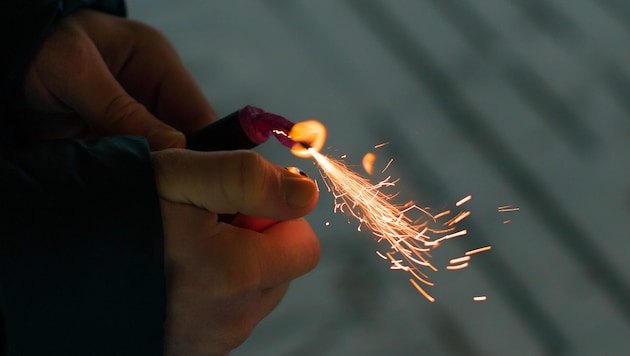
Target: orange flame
311,133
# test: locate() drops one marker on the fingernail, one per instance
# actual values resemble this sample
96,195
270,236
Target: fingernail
299,191
161,138
297,171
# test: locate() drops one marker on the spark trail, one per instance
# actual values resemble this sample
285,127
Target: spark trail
410,237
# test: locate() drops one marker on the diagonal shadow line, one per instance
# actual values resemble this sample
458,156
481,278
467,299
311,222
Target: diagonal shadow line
515,293
559,116
617,9
472,27
470,125
620,81
549,18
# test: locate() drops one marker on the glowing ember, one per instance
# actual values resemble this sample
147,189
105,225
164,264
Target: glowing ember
477,250
459,259
410,230
456,267
444,213
422,291
387,165
481,298
464,200
410,237
507,208
368,162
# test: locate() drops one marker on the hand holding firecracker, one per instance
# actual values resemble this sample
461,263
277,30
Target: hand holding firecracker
409,230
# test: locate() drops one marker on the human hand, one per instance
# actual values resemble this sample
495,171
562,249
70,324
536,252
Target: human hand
99,75
222,279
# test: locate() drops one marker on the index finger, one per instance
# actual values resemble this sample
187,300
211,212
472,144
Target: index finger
288,250
280,254
155,75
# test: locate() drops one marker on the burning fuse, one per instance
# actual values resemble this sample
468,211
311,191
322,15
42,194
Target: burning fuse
251,126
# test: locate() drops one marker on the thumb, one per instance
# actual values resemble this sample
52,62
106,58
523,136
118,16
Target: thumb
232,182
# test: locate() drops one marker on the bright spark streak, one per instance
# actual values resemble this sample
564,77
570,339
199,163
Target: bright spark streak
410,240
387,165
461,216
422,291
447,237
444,213
459,259
381,145
481,298
457,267
507,208
478,250
464,200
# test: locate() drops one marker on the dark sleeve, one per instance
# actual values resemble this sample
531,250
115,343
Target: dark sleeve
25,24
81,249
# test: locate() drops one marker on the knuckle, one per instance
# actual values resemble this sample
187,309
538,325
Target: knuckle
66,53
241,177
119,111
164,163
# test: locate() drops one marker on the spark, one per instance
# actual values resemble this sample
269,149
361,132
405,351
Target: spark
459,259
480,298
478,250
368,162
458,218
447,237
444,213
507,221
422,291
387,165
381,145
463,200
409,230
457,267
507,208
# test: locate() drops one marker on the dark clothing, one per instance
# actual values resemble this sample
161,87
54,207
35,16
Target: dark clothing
25,23
81,241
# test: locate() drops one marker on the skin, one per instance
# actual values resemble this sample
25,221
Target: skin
224,279
96,75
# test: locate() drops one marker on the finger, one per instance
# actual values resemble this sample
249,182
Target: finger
178,99
111,110
287,251
252,223
163,85
233,182
84,83
249,259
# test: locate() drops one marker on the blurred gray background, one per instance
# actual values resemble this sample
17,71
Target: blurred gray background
522,102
